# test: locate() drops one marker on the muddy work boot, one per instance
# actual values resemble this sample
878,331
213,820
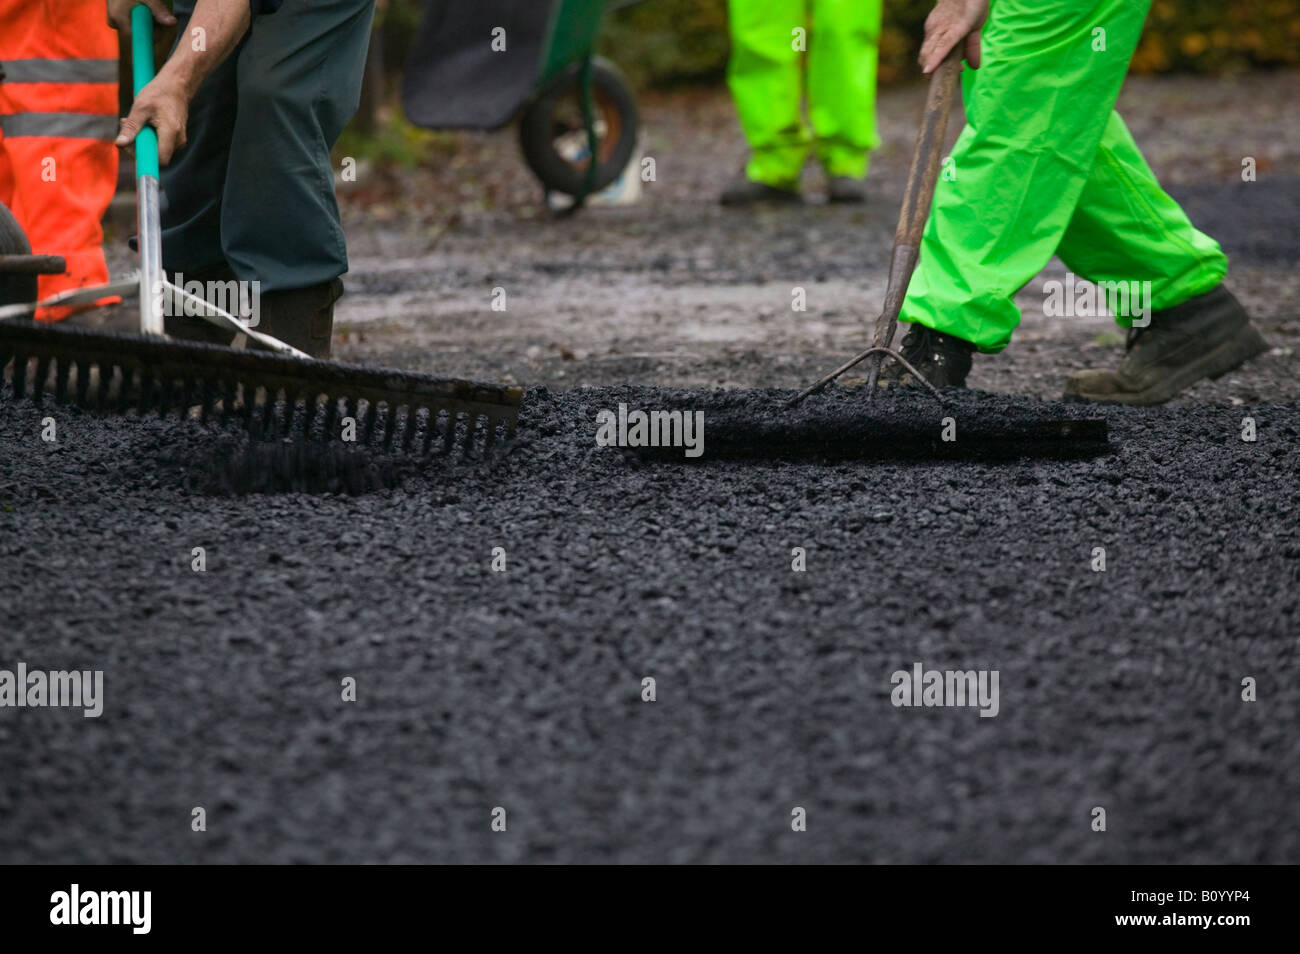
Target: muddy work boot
745,191
302,317
1203,337
941,359
846,189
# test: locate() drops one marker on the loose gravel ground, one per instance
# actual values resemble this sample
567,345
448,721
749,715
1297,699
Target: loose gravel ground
523,689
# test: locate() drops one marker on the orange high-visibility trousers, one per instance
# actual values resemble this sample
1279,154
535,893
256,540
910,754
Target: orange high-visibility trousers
58,119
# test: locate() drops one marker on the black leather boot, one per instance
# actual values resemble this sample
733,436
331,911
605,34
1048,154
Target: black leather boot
942,359
745,191
192,327
302,317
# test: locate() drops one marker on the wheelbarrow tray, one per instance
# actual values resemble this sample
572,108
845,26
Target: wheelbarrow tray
454,78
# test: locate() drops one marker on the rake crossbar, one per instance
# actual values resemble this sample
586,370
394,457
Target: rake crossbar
270,393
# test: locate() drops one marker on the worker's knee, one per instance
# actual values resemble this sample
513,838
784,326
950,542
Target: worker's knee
271,100
279,107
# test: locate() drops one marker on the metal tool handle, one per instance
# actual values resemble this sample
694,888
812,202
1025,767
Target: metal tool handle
148,208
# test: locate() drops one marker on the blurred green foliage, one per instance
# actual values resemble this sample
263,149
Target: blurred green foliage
682,42
393,141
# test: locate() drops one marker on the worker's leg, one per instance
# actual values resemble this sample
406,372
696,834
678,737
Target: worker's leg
192,186
1036,110
1163,279
765,76
195,179
299,82
842,83
1125,228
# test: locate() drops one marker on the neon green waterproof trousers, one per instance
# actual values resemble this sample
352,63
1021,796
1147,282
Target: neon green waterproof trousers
766,76
1046,166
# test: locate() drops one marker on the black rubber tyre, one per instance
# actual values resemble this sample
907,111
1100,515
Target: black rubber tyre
13,241
554,120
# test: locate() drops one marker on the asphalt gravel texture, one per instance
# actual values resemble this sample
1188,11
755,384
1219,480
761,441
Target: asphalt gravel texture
523,689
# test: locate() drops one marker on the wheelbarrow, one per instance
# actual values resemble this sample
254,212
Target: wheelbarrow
19,268
482,65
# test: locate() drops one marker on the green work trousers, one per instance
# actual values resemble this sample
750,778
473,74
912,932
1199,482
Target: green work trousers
766,74
254,187
1046,166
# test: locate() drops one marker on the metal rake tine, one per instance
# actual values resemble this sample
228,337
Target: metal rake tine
874,376
309,407
372,411
83,382
124,390
61,371
828,378
20,374
152,374
871,381
891,353
430,431
331,417
38,382
106,372
390,423
449,440
291,397
166,389
409,428
207,398
229,389
271,397
146,391
351,407
187,397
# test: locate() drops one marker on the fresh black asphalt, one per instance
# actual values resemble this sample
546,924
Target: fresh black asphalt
523,689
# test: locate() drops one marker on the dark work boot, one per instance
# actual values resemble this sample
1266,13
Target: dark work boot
846,189
745,191
941,359
302,317
1203,337
193,327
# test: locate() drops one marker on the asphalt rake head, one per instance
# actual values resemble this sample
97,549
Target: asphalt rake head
271,395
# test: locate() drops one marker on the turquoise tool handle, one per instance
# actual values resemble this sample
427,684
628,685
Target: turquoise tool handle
146,142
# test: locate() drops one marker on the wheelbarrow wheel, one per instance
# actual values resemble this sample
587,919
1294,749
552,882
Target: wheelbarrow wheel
15,287
554,136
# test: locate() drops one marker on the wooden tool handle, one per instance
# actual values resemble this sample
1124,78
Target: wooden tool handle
921,180
916,198
929,147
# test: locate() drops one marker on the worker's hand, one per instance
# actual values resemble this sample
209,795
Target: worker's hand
950,23
119,14
163,105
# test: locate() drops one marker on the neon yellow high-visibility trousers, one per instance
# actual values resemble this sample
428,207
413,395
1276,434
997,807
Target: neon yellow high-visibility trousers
767,79
1046,166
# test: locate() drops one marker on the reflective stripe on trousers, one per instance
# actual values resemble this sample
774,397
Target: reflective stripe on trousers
58,119
59,125
59,71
